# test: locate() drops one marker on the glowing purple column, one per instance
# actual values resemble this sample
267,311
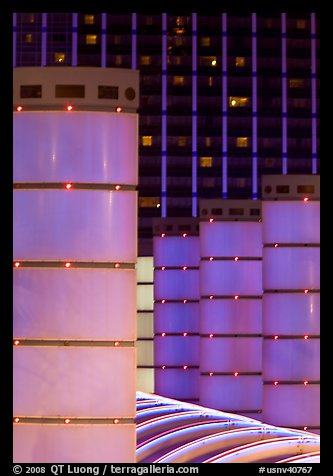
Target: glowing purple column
176,308
291,285
230,306
74,278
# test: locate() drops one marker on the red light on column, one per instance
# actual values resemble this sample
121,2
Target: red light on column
119,109
276,337
276,382
306,337
117,265
211,220
163,334
305,427
117,187
163,268
184,268
69,107
211,336
163,301
306,382
236,258
185,334
236,297
67,265
116,344
16,342
211,374
67,420
276,245
163,235
116,421
185,367
306,291
184,235
19,108
211,258
305,199
16,420
211,297
68,186
17,264
163,367
185,301
236,374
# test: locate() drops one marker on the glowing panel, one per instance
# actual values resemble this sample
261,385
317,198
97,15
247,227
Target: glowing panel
227,239
145,269
75,224
291,313
80,146
291,268
291,222
230,316
229,393
74,304
145,352
291,359
41,443
176,251
229,354
176,284
291,405
176,317
70,381
145,297
177,383
230,277
176,350
145,380
145,324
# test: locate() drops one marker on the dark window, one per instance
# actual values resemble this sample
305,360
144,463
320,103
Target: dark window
184,227
236,211
69,91
217,211
255,211
108,92
31,91
282,189
305,189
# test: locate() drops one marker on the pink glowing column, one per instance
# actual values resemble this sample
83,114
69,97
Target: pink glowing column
74,285
230,306
176,309
291,301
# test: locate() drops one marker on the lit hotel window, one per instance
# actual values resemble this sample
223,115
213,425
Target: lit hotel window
205,41
149,202
91,39
300,24
206,161
28,38
208,141
59,57
237,101
210,81
178,80
207,60
89,19
240,61
147,141
145,60
118,60
296,83
182,141
242,141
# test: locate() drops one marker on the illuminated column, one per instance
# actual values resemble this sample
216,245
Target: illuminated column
291,300
176,308
145,340
230,306
74,279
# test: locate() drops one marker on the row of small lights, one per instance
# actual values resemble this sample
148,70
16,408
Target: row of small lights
17,342
185,334
69,107
66,420
67,265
